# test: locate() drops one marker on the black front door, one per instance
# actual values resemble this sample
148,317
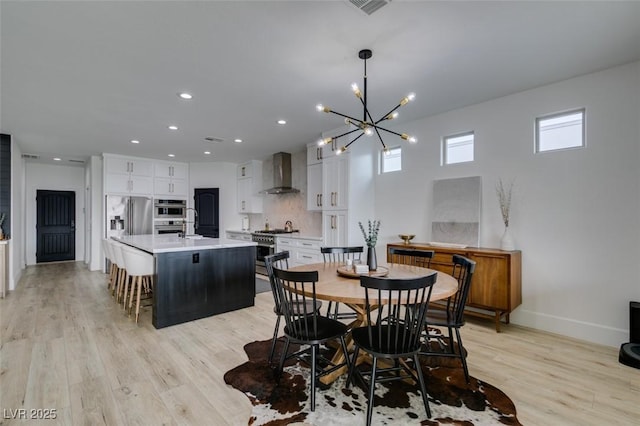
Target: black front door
206,204
55,226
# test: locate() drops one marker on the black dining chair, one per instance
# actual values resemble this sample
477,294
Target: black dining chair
281,261
395,320
415,257
451,317
340,255
307,327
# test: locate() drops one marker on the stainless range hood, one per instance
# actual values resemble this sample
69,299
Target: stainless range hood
281,175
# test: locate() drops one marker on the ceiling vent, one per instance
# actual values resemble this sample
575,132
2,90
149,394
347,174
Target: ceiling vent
212,139
77,161
30,156
369,6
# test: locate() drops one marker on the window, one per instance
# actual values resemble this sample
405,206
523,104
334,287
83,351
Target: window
391,162
560,131
457,148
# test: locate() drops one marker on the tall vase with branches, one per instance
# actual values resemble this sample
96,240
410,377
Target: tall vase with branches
371,238
504,193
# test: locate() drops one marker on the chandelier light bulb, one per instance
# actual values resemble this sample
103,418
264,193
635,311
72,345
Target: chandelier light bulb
412,139
324,141
320,107
356,90
386,151
411,96
341,150
368,131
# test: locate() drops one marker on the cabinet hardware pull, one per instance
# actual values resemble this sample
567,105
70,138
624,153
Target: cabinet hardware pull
320,200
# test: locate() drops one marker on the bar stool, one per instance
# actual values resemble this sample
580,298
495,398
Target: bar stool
121,275
113,268
140,268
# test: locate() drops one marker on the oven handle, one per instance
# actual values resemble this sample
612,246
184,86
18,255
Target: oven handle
272,246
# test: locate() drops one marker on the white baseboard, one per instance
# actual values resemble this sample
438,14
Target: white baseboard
582,330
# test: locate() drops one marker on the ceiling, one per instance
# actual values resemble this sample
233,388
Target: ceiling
82,78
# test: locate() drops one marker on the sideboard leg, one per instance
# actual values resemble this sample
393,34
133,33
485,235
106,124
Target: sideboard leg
497,321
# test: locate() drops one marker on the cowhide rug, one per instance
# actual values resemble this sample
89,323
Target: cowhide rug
451,400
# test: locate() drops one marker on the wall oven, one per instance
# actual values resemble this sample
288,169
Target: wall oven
166,209
163,227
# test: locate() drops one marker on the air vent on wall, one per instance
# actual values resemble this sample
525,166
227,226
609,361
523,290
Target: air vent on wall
212,139
76,161
369,6
30,156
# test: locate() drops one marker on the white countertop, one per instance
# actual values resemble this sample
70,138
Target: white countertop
172,243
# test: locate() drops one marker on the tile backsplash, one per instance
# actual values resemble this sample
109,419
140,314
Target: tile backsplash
280,208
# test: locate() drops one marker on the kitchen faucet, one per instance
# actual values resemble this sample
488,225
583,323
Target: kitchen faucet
183,234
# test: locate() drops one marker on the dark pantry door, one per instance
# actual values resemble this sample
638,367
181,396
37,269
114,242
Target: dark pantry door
206,204
55,226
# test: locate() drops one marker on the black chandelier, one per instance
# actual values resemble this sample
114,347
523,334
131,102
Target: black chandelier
367,126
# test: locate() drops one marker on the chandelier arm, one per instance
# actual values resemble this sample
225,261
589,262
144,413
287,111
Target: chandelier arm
346,133
366,111
356,138
346,116
387,130
380,137
389,113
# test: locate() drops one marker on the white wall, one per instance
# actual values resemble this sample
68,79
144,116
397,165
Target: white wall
575,213
56,178
16,246
217,175
95,211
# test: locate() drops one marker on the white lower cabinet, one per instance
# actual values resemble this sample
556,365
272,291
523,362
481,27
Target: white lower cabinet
302,251
334,226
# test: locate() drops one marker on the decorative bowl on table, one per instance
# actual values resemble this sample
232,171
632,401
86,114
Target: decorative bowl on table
406,237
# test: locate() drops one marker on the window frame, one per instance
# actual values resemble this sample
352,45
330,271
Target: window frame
382,159
536,129
444,148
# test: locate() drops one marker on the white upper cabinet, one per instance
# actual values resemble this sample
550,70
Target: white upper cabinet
314,153
171,179
335,190
140,176
127,165
249,187
171,170
125,175
314,187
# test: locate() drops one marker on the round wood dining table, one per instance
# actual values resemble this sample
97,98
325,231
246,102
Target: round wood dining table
345,288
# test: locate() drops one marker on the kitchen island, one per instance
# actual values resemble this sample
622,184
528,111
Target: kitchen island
196,277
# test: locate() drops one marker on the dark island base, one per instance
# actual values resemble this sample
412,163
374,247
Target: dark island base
196,284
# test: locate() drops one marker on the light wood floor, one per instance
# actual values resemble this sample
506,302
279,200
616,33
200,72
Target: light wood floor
64,344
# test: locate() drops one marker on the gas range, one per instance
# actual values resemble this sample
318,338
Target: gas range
267,236
266,245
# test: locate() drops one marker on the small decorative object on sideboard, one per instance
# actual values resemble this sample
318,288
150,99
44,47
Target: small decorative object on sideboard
406,237
371,238
504,198
2,217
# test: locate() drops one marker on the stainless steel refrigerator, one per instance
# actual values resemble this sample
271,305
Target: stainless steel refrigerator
128,215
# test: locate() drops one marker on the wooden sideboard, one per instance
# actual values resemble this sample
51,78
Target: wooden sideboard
496,287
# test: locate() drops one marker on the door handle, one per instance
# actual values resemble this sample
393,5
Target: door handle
73,224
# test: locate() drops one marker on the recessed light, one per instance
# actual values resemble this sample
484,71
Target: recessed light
173,127
207,152
57,159
135,141
282,122
185,95
237,140
172,155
